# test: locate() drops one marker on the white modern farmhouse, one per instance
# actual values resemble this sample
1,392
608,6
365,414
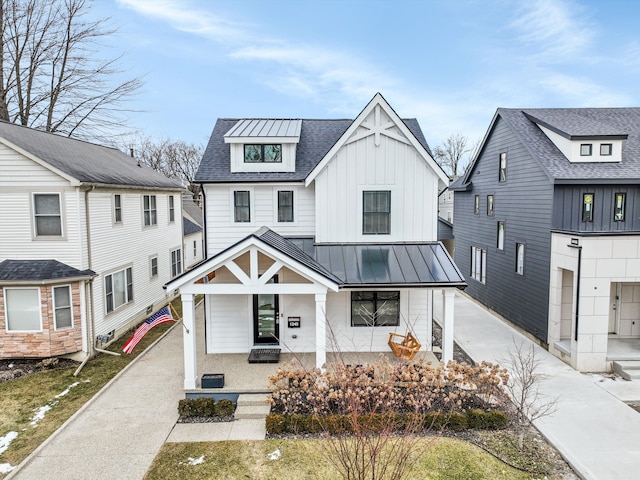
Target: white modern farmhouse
320,235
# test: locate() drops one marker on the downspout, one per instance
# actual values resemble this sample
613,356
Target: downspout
578,290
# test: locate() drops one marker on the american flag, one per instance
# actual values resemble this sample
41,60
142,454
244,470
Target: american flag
161,316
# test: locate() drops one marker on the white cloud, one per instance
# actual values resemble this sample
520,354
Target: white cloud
581,92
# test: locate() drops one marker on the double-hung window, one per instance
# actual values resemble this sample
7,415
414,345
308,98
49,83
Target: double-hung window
375,309
22,309
376,212
241,206
263,153
619,201
153,266
63,313
172,210
149,209
479,264
176,262
285,206
47,214
587,207
118,287
117,208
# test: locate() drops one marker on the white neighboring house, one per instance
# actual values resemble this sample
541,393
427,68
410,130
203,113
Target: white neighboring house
193,232
320,234
88,238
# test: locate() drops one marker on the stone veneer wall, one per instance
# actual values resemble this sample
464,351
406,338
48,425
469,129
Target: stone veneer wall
48,342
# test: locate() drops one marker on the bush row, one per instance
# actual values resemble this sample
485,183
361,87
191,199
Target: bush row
205,407
386,422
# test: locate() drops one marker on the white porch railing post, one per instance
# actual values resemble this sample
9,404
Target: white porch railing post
448,295
189,341
321,329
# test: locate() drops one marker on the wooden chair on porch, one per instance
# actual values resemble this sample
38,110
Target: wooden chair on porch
404,346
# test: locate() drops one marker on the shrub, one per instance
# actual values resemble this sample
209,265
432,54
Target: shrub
296,423
496,419
275,423
196,407
224,408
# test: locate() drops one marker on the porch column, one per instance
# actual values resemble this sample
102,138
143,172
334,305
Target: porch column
321,329
448,295
189,341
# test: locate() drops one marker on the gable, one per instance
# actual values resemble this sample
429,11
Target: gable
19,170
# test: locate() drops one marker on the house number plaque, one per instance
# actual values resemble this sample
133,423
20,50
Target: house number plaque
293,322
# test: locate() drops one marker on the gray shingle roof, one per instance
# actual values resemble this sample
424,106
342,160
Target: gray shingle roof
316,139
84,161
22,271
579,121
189,227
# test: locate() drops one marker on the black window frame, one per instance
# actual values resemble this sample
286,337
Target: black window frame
285,208
502,167
240,210
377,227
261,147
622,208
590,146
610,146
371,316
490,205
587,213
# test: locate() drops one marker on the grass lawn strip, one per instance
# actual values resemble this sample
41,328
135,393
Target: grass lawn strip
441,459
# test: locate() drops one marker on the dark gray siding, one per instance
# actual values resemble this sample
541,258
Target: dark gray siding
524,203
567,208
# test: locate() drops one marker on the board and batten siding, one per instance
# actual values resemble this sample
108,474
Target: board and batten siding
524,203
362,166
130,244
222,231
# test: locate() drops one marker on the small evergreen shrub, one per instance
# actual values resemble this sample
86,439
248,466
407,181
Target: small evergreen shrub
224,408
205,407
275,423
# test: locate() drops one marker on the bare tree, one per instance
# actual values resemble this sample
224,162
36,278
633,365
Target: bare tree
454,154
51,75
523,388
175,159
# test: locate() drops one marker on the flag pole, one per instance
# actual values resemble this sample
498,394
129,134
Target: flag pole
174,312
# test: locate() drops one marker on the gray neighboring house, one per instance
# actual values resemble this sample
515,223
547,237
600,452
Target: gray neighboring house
547,229
88,237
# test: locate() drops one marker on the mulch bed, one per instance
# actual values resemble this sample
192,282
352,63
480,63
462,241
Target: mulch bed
14,368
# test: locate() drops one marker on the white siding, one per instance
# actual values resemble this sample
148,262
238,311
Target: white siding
363,166
192,256
222,231
16,170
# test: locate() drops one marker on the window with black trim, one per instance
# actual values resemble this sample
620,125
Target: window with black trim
520,258
172,210
619,201
62,311
606,149
490,205
502,175
176,262
376,212
285,206
476,205
479,264
375,309
47,215
585,149
118,288
587,207
500,236
117,208
149,209
241,206
263,153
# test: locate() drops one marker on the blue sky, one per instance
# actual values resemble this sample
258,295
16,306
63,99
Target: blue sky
448,63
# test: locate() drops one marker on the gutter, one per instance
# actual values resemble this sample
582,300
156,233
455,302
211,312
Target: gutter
578,274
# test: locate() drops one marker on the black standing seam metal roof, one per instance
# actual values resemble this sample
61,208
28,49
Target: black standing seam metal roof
39,271
317,137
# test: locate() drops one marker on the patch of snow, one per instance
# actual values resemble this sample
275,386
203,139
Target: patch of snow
6,441
275,455
62,394
5,468
40,413
600,378
196,461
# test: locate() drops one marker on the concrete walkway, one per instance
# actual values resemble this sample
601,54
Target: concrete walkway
119,432
596,432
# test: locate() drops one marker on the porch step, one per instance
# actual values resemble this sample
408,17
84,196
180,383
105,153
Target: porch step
252,406
627,369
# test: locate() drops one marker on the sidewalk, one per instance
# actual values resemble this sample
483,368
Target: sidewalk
596,432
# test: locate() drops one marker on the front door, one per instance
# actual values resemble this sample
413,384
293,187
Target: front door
266,318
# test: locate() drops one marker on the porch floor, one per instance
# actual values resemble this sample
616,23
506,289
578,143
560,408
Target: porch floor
623,349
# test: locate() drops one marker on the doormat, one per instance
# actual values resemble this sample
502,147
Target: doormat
264,355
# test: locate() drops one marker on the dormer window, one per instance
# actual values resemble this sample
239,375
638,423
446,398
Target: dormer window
606,149
263,153
585,149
